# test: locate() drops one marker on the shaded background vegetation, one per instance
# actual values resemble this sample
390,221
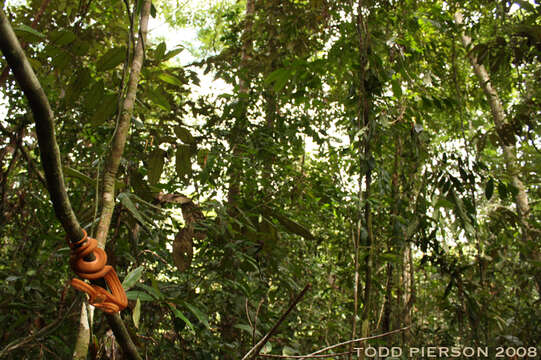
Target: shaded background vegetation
355,146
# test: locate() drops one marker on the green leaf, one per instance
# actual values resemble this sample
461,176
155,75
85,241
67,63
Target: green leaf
152,10
71,172
184,135
267,348
502,190
181,316
94,95
28,29
61,60
289,351
79,82
136,294
156,162
105,111
136,314
111,59
397,89
132,278
291,225
159,99
202,317
172,53
183,164
130,206
489,189
160,51
154,292
62,37
279,78
170,79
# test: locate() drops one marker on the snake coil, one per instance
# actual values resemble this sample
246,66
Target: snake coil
110,302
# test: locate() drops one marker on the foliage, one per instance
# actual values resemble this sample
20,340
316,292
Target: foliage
353,109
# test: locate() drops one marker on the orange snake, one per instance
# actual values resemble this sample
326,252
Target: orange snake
110,302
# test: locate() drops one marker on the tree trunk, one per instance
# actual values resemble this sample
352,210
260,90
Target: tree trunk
236,137
408,290
121,132
83,337
238,132
509,155
365,171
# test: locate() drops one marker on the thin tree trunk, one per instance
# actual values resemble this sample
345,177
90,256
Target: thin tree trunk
113,161
83,337
236,138
121,134
365,154
366,121
395,237
408,289
509,154
355,235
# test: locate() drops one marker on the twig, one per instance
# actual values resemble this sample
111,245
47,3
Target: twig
255,319
304,357
32,165
15,344
315,355
354,341
254,351
248,316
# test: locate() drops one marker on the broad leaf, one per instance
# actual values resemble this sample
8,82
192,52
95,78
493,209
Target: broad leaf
156,162
136,314
181,316
183,164
170,79
202,317
184,135
111,59
105,111
132,278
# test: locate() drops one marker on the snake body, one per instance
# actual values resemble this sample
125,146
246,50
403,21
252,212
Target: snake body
110,302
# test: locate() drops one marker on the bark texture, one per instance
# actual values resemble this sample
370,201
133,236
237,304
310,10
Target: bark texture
509,153
83,338
121,134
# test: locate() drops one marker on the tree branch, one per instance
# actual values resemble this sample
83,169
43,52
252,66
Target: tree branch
32,165
121,134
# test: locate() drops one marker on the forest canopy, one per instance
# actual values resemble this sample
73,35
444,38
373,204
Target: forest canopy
270,178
